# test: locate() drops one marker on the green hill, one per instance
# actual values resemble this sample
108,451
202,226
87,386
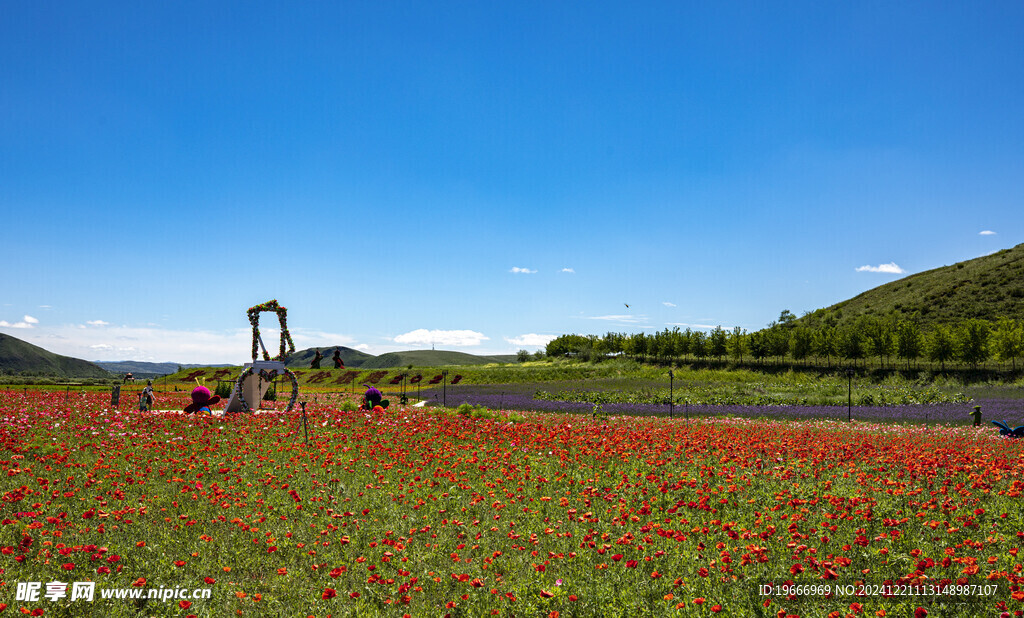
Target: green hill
351,358
17,356
355,359
431,358
987,288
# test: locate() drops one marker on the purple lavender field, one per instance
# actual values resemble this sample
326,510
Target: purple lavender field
520,397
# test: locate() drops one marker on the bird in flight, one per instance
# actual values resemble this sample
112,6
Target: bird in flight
627,306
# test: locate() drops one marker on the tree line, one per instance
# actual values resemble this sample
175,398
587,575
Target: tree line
894,341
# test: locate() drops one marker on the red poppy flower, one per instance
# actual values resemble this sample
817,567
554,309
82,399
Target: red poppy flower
329,593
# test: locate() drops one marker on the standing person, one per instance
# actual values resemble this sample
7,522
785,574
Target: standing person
338,363
148,397
316,360
128,377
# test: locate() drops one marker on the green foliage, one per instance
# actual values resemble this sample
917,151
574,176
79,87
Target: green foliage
224,389
940,346
475,412
1008,340
973,341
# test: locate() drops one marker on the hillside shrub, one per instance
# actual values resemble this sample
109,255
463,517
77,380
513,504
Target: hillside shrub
224,389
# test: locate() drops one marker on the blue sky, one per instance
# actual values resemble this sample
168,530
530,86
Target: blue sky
484,176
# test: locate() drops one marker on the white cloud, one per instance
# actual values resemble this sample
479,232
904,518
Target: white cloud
422,336
26,322
306,338
569,270
146,343
687,325
890,268
986,233
362,347
115,343
525,271
97,323
531,340
627,319
668,304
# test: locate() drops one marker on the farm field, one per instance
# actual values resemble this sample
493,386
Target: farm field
428,512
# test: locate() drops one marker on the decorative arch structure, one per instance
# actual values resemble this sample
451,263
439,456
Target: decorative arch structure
257,376
287,345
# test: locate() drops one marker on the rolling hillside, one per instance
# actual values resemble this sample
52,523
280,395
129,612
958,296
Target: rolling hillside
17,356
351,358
420,358
987,287
431,358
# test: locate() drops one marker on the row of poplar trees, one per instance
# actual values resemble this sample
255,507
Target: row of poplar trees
890,340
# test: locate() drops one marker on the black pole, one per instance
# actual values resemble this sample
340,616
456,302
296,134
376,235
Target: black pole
305,422
849,395
671,399
444,386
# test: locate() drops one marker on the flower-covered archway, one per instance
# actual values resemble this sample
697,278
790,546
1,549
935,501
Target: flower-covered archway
287,345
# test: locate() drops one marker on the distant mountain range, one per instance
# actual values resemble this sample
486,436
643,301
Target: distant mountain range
303,358
21,357
142,369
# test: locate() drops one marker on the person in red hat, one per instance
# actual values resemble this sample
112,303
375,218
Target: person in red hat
201,401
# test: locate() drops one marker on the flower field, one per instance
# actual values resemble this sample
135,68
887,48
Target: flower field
425,512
